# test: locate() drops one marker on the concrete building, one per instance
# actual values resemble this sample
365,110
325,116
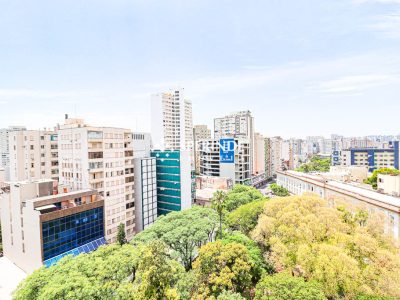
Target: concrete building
2,176
354,196
141,144
33,155
145,192
389,184
40,225
273,156
200,132
214,163
373,158
100,158
237,125
206,186
5,148
259,153
171,121
175,180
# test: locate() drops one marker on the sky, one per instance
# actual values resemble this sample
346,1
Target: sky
303,67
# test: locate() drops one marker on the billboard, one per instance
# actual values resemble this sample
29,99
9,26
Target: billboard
227,151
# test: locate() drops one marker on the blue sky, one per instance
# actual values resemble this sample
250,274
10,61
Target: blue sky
302,67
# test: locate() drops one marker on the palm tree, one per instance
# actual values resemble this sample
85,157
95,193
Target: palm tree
218,204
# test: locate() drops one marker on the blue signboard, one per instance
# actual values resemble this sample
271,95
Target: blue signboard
227,151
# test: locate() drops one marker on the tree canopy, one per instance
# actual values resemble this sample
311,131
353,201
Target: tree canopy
245,217
283,286
240,195
316,242
278,190
316,164
183,232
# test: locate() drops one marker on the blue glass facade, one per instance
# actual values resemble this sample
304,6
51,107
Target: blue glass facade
70,232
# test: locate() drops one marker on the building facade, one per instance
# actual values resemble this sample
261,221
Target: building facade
373,158
259,153
145,192
174,180
5,149
40,225
33,155
100,158
237,125
171,121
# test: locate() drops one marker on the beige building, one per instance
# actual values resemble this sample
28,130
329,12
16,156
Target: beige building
100,158
389,184
41,225
33,155
171,121
206,186
200,132
259,154
273,156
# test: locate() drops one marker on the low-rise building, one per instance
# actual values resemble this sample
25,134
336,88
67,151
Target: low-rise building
354,196
206,186
40,225
389,184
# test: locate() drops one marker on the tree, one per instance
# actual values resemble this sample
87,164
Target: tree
346,252
222,267
183,232
316,164
283,286
121,236
258,264
278,190
228,295
245,217
240,195
218,203
373,180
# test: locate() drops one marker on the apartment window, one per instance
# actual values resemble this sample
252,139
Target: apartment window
32,148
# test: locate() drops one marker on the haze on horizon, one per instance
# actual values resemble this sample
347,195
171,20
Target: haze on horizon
305,68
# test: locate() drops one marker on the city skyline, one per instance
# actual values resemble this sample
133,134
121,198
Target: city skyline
325,68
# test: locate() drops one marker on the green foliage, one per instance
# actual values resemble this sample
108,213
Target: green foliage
229,295
183,232
372,297
111,272
222,267
283,286
218,204
346,253
316,164
245,217
373,180
278,190
240,195
258,264
121,236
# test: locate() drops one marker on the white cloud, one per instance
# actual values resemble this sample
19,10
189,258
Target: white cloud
388,25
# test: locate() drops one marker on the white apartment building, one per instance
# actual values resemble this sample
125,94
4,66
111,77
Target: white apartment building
171,121
100,158
211,164
200,132
237,125
5,149
141,143
33,155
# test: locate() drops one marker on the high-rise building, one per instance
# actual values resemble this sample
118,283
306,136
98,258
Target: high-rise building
229,158
273,154
175,180
5,149
41,224
237,125
141,143
259,153
33,155
145,192
171,121
200,132
100,158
